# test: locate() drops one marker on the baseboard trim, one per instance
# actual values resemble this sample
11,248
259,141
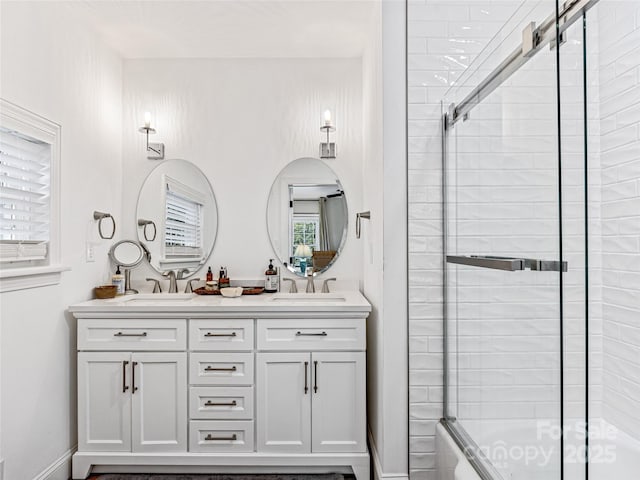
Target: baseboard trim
378,474
60,469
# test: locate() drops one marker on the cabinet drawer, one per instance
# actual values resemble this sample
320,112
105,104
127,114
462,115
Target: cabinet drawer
208,436
221,335
221,403
311,334
221,369
132,335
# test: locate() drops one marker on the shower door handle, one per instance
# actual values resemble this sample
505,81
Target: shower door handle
509,264
495,263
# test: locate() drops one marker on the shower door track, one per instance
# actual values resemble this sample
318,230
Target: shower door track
470,449
534,39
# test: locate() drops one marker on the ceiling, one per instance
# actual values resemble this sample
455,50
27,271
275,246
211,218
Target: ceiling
230,29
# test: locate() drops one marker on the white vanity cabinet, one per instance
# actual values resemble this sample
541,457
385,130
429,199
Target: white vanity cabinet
311,402
211,385
311,396
131,401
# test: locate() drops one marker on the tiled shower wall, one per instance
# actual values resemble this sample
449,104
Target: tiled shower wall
620,143
444,37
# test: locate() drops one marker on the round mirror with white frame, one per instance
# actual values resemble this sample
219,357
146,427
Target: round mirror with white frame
307,216
177,217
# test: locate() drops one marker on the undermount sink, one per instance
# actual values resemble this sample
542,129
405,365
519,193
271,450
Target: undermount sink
309,298
156,297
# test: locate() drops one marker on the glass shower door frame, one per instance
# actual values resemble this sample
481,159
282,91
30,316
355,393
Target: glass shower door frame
550,31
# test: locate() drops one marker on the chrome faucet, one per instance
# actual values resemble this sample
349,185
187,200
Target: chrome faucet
181,273
189,287
173,285
156,285
325,284
294,287
311,287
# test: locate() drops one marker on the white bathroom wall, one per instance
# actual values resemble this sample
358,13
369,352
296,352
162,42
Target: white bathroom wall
241,121
619,66
53,66
383,241
372,236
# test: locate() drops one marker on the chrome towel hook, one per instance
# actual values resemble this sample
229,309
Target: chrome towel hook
366,215
99,216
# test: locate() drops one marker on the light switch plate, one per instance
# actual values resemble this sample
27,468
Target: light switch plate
90,254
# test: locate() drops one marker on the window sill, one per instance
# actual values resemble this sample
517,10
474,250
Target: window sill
30,277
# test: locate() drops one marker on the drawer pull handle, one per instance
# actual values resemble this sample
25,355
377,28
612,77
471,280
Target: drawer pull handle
306,377
220,404
209,334
232,438
217,369
120,334
301,334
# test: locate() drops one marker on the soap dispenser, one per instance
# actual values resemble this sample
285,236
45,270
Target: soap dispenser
272,279
118,280
223,279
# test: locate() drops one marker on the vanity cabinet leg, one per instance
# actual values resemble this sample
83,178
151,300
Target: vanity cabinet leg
362,470
80,468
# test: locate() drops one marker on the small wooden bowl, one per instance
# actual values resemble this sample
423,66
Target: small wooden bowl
105,291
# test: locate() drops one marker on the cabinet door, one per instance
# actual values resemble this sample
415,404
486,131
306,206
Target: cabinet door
283,402
159,402
104,402
339,407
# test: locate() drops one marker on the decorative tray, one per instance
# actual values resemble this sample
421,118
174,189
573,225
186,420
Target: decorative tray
245,291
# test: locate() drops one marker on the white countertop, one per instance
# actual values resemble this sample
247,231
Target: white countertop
349,303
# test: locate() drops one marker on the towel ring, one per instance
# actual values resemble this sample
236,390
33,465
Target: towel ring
99,216
366,215
143,223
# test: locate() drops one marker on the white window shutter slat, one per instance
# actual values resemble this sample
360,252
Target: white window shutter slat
24,197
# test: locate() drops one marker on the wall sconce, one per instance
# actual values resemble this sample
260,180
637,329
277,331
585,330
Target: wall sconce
157,149
327,149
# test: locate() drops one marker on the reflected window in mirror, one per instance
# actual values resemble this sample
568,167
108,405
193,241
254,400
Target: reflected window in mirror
183,223
176,201
307,216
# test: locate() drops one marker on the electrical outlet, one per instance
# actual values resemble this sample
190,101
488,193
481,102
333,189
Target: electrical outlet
91,254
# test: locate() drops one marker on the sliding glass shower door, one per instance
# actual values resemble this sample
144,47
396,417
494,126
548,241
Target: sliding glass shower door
514,163
503,283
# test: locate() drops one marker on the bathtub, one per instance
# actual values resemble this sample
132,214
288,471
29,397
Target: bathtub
614,455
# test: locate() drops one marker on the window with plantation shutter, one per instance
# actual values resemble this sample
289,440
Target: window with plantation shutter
183,222
24,197
29,199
